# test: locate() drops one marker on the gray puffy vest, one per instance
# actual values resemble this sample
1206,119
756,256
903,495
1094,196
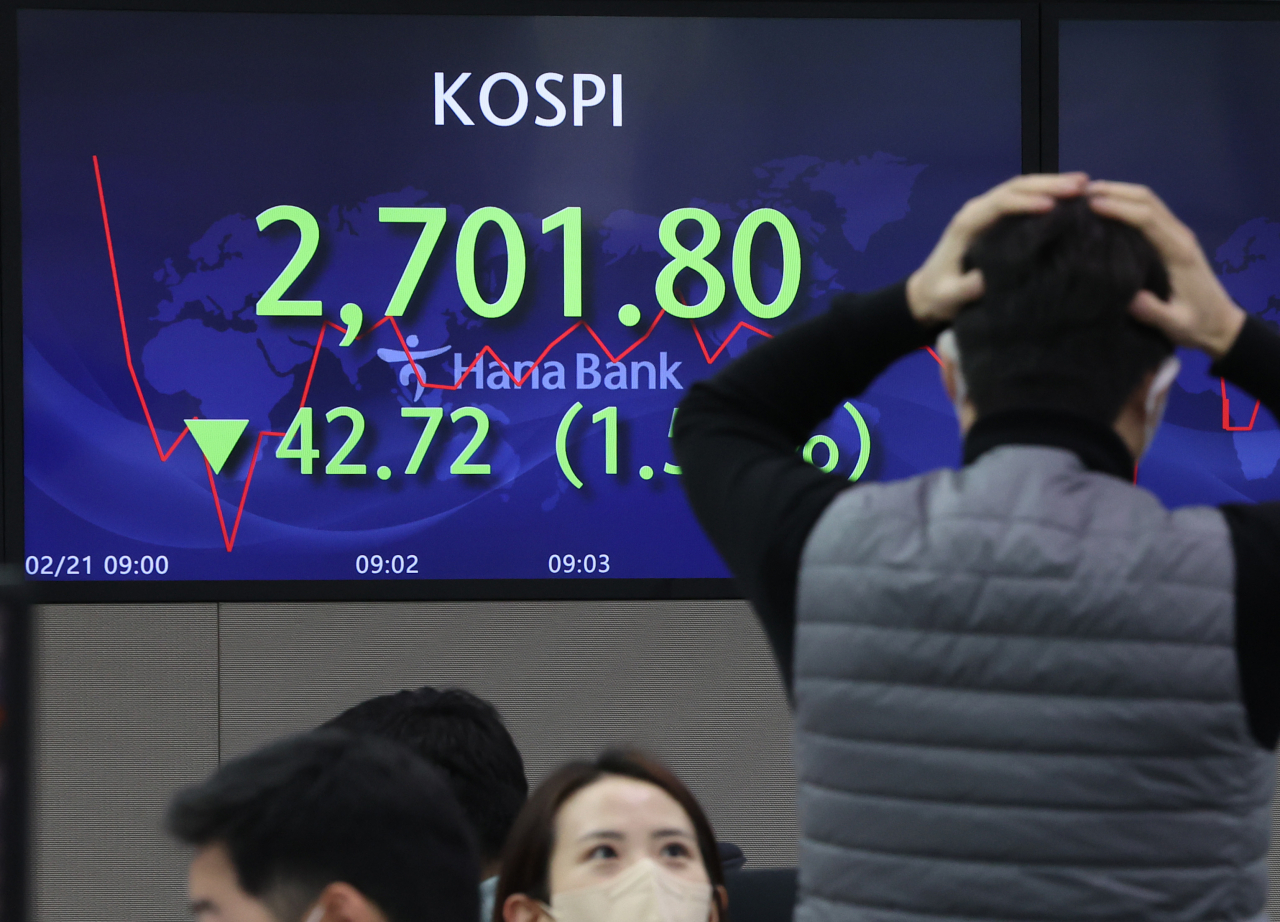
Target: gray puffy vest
1017,698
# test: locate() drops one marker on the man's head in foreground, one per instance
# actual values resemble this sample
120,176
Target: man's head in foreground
1053,331
464,737
327,827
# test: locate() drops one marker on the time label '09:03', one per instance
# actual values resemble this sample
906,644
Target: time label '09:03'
569,564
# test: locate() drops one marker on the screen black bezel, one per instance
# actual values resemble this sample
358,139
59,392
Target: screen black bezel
15,747
599,589
1052,14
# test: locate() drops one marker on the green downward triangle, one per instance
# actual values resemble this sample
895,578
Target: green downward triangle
216,438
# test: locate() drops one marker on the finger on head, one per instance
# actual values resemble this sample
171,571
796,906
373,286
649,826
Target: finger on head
980,213
1148,308
1126,190
1063,185
971,285
1034,192
1016,200
1131,193
1138,213
1170,236
1157,223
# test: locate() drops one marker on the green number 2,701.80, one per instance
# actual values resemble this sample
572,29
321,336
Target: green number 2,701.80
569,220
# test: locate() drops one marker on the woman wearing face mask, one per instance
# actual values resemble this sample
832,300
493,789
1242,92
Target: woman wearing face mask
620,839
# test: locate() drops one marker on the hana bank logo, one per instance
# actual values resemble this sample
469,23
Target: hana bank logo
588,90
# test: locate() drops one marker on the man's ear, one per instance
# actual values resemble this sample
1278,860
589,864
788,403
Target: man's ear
952,381
342,902
947,368
521,908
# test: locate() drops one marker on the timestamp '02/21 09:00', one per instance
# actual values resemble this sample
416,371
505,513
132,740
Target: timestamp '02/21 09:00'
52,567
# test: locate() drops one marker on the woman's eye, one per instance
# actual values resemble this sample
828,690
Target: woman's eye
675,850
602,851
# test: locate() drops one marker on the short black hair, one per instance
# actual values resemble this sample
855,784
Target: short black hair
465,737
1053,329
329,806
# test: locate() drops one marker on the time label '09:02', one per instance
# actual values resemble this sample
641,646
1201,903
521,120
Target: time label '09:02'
393,565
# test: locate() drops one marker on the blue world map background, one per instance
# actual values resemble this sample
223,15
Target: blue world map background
866,135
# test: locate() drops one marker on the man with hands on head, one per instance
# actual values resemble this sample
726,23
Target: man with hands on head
1023,689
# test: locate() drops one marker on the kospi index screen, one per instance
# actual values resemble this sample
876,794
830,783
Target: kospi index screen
320,298
1192,109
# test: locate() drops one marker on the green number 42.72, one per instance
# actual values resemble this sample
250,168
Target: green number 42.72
299,440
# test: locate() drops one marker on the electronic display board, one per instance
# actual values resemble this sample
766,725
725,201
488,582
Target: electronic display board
1192,110
319,299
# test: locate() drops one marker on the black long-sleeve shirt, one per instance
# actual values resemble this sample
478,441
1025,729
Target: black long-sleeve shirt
736,436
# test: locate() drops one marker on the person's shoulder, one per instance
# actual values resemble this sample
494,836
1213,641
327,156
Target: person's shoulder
1197,517
872,512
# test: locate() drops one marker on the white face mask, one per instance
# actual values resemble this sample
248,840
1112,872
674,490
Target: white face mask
1158,399
644,892
1157,394
949,349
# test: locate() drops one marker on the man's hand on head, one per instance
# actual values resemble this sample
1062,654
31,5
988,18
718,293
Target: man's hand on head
1199,312
940,287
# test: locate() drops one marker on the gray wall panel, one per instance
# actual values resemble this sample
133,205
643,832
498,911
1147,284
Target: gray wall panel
125,713
692,681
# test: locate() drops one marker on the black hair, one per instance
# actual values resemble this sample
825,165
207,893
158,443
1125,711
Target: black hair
1053,329
464,736
329,806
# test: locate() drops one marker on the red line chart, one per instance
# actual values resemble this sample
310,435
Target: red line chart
1226,412
128,354
229,538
